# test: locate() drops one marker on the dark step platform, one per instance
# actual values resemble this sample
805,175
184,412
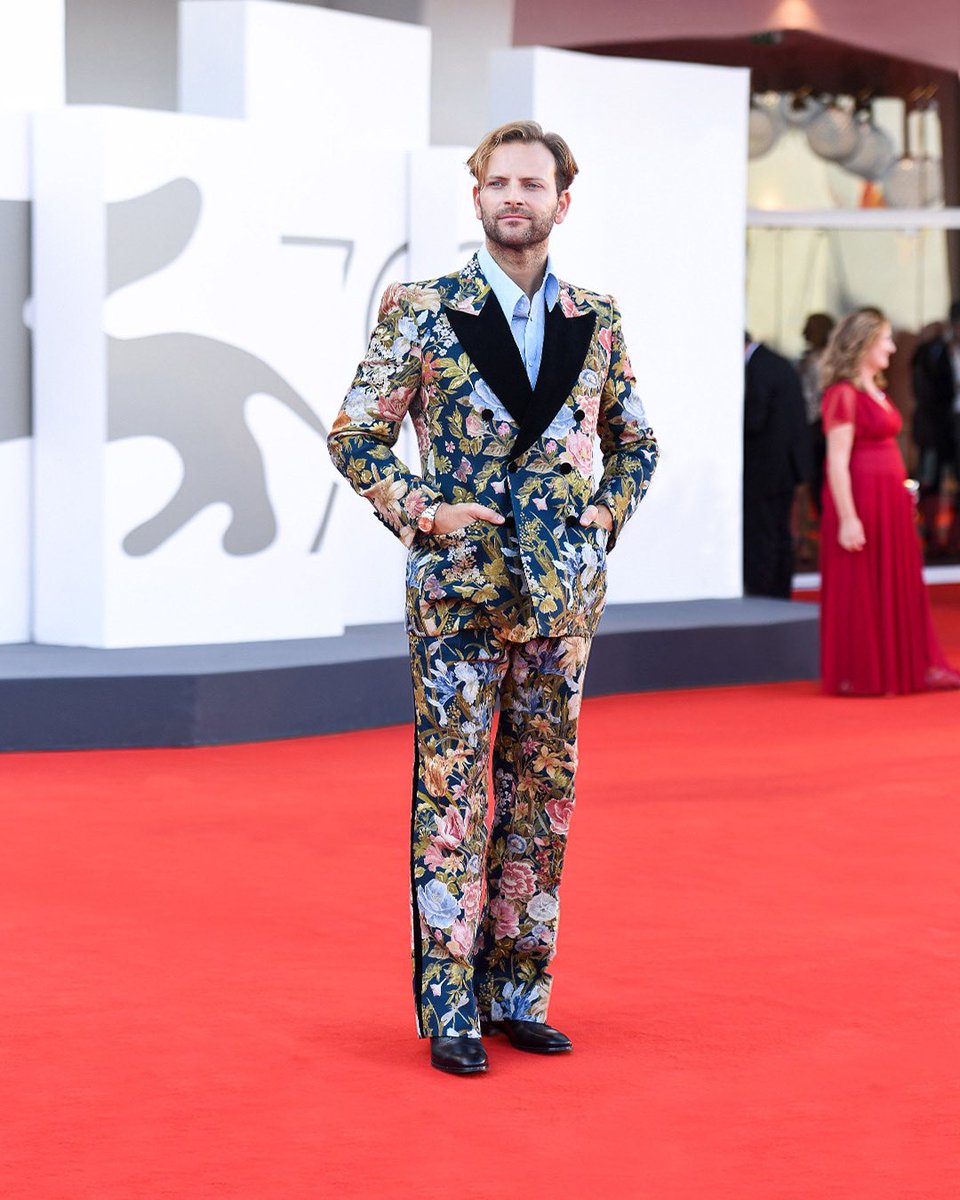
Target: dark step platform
67,698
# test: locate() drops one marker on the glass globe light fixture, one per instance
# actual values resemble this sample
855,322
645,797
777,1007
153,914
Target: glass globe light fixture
874,154
903,184
833,134
763,131
914,183
798,109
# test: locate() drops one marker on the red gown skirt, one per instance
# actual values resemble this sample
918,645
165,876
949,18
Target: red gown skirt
876,632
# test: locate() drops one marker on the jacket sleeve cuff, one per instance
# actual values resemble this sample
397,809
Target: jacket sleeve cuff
399,505
619,509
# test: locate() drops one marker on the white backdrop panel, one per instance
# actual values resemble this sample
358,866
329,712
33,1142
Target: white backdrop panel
205,287
188,366
444,230
15,399
32,75
322,86
658,219
32,61
326,78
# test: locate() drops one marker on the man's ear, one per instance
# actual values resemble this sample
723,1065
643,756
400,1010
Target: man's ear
476,201
563,205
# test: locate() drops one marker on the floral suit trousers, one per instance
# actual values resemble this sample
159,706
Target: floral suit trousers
485,905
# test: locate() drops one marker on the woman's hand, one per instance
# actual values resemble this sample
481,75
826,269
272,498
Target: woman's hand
450,517
851,534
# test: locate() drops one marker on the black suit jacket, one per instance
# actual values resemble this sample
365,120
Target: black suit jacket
777,453
933,388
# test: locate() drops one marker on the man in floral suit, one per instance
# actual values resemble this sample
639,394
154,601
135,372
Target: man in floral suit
512,378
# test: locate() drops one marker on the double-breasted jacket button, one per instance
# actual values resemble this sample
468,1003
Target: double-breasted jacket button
513,466
572,519
565,468
578,414
487,414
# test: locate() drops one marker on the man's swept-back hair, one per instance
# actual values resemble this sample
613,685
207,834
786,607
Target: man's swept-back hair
852,337
525,131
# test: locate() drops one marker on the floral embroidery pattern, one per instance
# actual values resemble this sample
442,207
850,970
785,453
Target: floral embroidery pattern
493,610
486,914
544,574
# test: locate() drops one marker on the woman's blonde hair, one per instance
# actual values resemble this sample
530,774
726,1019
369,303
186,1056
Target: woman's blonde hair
852,337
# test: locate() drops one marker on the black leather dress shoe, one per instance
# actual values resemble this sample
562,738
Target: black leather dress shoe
458,1055
530,1035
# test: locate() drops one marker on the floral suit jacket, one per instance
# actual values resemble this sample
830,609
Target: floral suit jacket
443,352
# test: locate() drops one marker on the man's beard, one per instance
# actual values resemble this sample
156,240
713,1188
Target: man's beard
529,232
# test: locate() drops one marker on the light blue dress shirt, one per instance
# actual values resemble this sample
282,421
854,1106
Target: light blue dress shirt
525,317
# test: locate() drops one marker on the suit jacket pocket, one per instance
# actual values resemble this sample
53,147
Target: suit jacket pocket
466,564
582,562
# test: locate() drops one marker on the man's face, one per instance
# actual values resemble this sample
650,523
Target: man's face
517,203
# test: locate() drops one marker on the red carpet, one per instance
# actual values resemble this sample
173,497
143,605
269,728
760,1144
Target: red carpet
206,990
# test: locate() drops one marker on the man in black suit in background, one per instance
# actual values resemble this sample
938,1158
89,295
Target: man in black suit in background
776,458
936,427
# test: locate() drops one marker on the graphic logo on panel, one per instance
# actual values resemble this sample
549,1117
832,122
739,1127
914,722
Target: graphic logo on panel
188,389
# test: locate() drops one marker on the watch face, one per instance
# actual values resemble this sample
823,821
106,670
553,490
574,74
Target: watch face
425,524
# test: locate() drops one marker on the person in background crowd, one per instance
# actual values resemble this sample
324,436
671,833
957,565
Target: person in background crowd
776,458
816,333
936,427
876,633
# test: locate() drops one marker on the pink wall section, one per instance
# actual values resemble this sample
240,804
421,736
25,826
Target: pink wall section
929,34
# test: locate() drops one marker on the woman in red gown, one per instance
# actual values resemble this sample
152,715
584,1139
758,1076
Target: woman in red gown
876,634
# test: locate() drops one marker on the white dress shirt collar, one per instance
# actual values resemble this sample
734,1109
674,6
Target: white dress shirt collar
507,292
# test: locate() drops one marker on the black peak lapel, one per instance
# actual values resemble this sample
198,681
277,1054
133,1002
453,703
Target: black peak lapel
565,344
489,344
